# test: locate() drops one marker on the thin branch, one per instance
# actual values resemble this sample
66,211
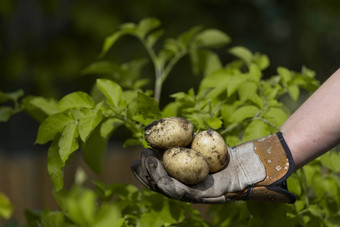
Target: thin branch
228,129
267,122
171,64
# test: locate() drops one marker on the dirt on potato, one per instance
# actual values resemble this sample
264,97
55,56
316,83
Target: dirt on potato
169,132
185,165
212,146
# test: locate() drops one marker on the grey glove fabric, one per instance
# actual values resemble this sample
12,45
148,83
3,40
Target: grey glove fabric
257,170
245,168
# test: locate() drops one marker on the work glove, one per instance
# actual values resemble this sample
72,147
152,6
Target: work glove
257,170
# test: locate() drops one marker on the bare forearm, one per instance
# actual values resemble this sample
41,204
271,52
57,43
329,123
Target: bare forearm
314,128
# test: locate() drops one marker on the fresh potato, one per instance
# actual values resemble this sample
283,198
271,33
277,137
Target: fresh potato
186,165
169,132
212,146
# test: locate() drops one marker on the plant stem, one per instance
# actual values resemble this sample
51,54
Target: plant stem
161,72
158,88
158,71
171,64
228,129
303,184
267,122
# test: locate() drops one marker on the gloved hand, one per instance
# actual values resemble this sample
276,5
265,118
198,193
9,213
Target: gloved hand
257,170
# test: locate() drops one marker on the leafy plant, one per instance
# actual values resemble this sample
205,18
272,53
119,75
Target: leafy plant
235,98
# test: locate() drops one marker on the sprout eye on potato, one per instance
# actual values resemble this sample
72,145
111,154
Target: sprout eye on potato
208,152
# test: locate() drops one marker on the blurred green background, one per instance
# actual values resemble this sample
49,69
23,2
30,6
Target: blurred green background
44,45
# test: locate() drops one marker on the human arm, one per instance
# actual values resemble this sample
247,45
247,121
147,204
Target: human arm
314,128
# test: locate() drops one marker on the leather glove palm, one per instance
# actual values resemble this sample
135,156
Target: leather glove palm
257,170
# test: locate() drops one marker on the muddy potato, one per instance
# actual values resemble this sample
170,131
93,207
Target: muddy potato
169,132
186,165
212,146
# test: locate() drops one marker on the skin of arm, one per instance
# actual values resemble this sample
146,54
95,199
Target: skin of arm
314,128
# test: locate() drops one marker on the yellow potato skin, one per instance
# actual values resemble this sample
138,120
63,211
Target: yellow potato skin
185,165
212,146
169,132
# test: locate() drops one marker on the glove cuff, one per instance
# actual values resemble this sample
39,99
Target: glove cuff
275,193
276,157
279,165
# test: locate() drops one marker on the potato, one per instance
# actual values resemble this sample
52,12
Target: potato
212,146
169,132
185,165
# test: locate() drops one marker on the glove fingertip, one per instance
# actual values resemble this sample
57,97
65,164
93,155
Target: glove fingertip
138,172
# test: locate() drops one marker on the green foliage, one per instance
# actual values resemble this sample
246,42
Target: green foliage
12,105
190,42
114,205
235,98
6,208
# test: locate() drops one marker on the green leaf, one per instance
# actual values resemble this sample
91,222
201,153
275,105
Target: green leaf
101,67
221,81
104,191
94,149
110,41
108,215
186,37
111,90
285,74
171,47
248,91
32,217
6,208
243,53
315,210
147,25
293,91
214,123
128,28
53,219
212,63
204,61
243,113
147,109
171,109
153,37
77,99
276,116
227,111
88,122
55,165
255,72
79,206
67,142
294,184
262,61
150,220
256,129
51,126
270,214
13,96
39,107
211,38
331,160
187,99
109,126
5,113
131,142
